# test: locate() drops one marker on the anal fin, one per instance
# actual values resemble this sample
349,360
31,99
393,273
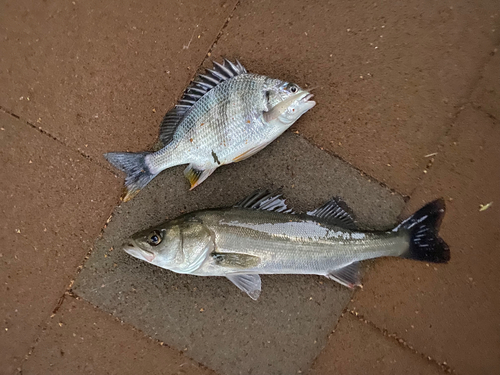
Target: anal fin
196,175
348,275
249,283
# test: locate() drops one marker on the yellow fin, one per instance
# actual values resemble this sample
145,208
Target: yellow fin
196,176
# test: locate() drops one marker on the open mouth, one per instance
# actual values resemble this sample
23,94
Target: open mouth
307,102
138,253
307,97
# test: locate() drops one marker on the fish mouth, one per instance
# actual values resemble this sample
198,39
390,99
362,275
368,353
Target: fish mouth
306,99
138,253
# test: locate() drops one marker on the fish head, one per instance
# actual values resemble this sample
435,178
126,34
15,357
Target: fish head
286,102
180,245
160,245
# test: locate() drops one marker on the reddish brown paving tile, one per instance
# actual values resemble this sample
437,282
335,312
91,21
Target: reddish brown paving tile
100,75
388,75
358,348
54,203
81,339
487,93
450,311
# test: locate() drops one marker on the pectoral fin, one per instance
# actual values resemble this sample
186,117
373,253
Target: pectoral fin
348,275
249,283
235,260
250,152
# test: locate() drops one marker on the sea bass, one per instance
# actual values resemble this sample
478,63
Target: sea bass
224,116
261,235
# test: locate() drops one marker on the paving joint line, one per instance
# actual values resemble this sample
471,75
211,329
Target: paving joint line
458,109
209,52
442,365
330,334
477,107
405,197
474,83
75,296
68,292
54,138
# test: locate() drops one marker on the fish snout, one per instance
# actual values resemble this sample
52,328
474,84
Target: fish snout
307,102
138,253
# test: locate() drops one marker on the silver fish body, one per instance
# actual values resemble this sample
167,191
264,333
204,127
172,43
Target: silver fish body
223,117
262,236
287,243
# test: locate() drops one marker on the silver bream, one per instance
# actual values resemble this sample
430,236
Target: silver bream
261,235
224,116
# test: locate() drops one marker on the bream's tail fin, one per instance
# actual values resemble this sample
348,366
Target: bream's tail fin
425,243
134,165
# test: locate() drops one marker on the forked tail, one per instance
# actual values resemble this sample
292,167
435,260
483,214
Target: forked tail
134,165
425,243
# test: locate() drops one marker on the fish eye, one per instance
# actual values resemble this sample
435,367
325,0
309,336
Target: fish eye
154,238
293,89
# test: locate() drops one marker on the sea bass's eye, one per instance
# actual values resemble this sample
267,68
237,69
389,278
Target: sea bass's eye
154,238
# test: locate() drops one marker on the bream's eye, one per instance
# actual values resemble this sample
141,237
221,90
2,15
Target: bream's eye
294,89
154,238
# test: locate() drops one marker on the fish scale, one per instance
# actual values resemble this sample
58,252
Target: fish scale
294,244
224,115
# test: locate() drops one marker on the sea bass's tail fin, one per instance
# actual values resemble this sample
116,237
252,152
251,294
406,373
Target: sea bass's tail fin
134,165
425,243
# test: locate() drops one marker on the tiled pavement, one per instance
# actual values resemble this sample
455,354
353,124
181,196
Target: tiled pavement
394,83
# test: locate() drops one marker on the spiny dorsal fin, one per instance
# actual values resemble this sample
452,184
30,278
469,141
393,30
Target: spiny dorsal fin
337,212
199,87
264,200
348,275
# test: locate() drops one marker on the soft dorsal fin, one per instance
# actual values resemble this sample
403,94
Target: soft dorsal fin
264,200
199,87
337,212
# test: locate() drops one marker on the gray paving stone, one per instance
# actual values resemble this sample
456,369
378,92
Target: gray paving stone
209,318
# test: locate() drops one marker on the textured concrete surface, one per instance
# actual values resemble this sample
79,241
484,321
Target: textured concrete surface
209,318
45,232
487,93
391,80
388,76
84,340
356,347
450,311
99,76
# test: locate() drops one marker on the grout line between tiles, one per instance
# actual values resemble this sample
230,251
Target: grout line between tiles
209,52
54,138
442,365
362,173
68,291
71,294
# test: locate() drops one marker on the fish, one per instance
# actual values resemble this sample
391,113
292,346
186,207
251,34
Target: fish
223,117
261,235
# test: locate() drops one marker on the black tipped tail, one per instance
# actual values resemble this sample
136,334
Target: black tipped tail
425,243
134,165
